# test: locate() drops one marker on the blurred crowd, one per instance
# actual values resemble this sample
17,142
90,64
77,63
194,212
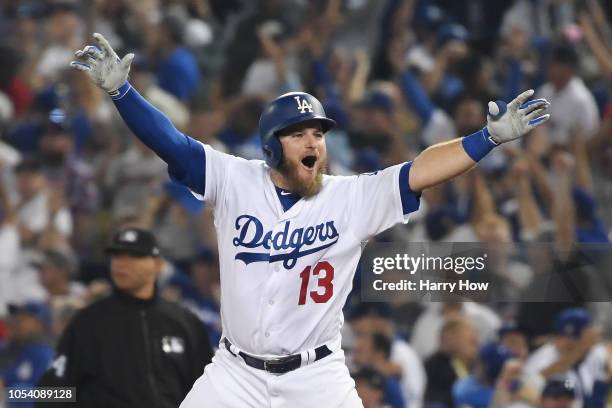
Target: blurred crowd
397,76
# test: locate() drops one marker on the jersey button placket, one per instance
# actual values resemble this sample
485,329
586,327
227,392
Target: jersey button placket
271,286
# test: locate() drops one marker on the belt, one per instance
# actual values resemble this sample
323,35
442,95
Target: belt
279,365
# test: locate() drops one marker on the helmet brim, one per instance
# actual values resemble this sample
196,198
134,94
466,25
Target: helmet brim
326,123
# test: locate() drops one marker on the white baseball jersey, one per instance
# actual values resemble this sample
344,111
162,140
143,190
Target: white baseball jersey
285,275
594,367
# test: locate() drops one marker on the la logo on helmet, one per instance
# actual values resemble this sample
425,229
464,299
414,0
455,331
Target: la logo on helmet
303,104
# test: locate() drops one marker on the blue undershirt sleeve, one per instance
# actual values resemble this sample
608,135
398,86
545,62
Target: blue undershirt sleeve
185,156
410,199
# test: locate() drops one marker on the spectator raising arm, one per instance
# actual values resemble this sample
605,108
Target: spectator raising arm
602,54
359,79
483,200
563,203
529,214
7,212
538,146
506,389
589,337
584,178
273,51
417,97
433,78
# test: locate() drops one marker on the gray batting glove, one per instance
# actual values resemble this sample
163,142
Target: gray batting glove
509,122
102,64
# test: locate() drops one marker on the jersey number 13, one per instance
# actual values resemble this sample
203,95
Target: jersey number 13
325,273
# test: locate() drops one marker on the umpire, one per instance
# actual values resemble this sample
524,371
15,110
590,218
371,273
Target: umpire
133,348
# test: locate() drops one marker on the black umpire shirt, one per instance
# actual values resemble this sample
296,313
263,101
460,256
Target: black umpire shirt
126,352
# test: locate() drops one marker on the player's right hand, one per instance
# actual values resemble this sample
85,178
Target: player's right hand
102,64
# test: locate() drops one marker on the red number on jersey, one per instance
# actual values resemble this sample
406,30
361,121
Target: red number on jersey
325,272
305,275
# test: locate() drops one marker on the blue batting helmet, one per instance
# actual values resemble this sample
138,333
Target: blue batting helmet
284,111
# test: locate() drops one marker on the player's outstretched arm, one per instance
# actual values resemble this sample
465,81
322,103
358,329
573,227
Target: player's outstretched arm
185,156
443,161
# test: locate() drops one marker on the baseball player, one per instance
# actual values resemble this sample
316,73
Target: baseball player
289,235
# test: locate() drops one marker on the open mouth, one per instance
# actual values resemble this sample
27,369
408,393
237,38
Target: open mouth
309,161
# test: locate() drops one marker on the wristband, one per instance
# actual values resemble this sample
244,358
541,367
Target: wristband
478,144
121,91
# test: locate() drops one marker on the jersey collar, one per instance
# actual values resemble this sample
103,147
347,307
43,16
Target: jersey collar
272,197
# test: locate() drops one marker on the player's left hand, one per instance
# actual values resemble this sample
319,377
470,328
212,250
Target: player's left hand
509,122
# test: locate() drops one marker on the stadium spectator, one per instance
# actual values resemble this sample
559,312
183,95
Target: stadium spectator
565,91
56,272
452,362
28,353
496,381
64,31
36,213
374,350
575,354
370,387
143,79
132,177
64,168
270,74
596,29
513,337
205,302
240,136
174,217
10,244
367,320
494,231
426,333
177,71
558,394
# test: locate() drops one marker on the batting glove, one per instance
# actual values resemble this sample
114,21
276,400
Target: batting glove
103,65
509,122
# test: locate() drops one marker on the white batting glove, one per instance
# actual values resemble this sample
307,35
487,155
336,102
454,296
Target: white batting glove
509,122
103,65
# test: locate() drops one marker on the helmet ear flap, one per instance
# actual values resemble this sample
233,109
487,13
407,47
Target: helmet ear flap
273,152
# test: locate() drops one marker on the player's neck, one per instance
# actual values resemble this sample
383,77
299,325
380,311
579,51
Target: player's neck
279,180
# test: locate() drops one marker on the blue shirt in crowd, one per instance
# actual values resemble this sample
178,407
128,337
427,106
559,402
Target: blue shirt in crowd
178,74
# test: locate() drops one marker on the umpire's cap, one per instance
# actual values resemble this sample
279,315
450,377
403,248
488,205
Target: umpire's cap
284,111
133,241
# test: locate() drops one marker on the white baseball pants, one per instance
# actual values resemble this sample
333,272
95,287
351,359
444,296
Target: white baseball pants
228,382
